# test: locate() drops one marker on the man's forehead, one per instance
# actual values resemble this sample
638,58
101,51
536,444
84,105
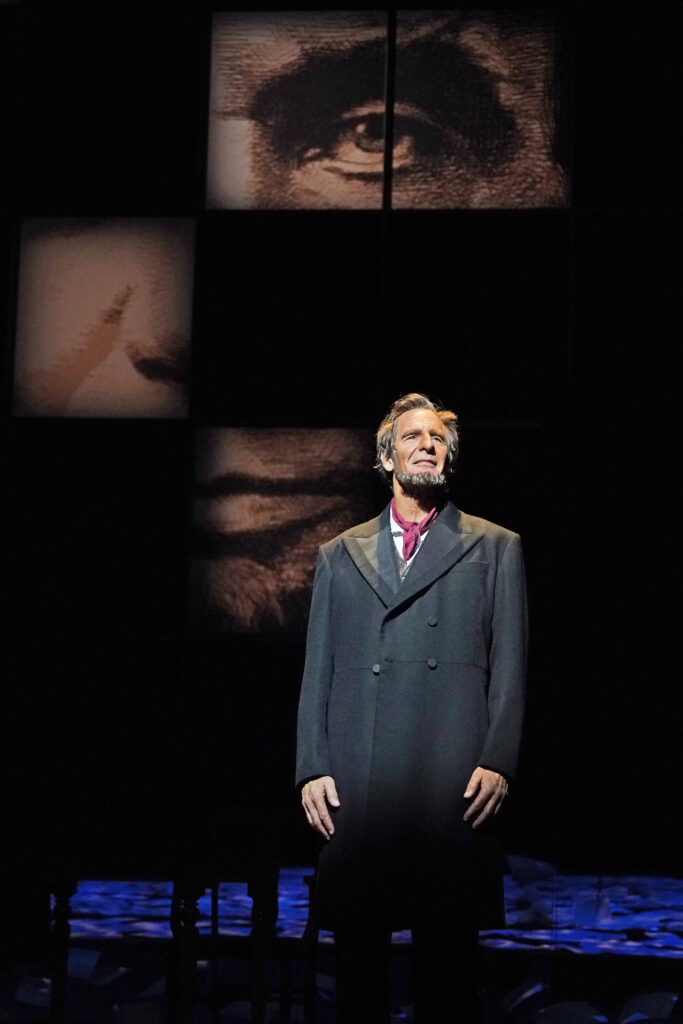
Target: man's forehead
417,418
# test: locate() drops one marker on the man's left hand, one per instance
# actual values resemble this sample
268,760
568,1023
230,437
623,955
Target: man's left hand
489,790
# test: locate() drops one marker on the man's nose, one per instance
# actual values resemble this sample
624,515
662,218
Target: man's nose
427,443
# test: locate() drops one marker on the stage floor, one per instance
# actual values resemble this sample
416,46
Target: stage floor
564,956
585,914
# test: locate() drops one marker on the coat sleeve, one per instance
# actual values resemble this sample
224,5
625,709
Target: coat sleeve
507,664
312,753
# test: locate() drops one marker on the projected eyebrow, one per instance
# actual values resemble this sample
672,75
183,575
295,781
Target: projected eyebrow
444,81
302,106
445,104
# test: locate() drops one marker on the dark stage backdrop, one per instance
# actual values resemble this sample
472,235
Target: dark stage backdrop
134,733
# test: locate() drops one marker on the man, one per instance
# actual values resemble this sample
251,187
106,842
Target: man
409,725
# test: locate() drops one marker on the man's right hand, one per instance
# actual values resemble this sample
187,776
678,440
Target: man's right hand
315,796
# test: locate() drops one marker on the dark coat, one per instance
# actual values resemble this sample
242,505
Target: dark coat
407,688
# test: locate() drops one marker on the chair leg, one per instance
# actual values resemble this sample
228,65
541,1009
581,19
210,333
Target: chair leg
184,914
59,967
286,989
310,944
262,889
215,892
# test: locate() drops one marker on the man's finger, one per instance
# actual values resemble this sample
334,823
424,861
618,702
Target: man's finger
326,822
493,805
315,822
331,793
485,814
487,794
323,813
480,800
315,797
474,808
317,815
473,784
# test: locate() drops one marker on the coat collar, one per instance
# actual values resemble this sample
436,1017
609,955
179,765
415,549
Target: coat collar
370,547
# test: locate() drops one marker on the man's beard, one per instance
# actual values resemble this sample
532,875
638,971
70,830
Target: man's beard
430,487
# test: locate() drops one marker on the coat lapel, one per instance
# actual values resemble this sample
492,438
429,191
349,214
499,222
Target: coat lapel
370,547
446,543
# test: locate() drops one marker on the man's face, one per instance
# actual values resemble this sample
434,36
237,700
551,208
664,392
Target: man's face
420,445
298,109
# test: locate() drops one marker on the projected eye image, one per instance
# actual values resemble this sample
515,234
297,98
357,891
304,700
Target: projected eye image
104,318
297,111
265,500
474,122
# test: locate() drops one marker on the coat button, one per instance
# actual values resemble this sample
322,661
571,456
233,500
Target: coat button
375,669
431,662
431,621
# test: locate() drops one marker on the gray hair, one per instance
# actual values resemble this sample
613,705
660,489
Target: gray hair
386,432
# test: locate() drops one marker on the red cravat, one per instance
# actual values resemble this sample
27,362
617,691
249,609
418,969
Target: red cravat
411,531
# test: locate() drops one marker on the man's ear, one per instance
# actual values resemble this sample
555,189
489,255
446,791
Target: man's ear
387,463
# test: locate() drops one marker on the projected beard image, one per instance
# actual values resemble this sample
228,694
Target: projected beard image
104,318
265,500
297,111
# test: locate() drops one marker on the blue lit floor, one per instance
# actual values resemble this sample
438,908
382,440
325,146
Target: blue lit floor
543,969
545,910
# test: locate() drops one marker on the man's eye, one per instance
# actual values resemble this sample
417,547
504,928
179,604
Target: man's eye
417,137
354,144
367,133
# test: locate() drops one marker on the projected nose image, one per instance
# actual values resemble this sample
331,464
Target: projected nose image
104,317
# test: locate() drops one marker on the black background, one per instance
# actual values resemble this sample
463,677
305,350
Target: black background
129,742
